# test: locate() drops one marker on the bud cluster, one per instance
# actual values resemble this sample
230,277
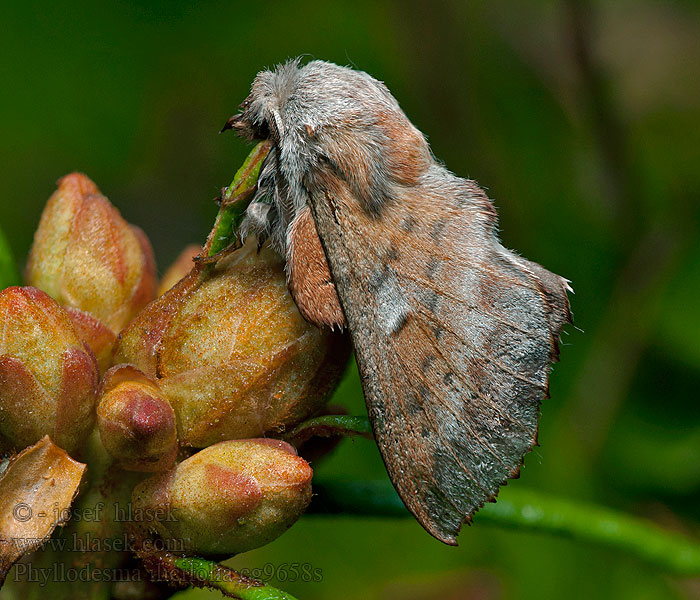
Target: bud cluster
184,380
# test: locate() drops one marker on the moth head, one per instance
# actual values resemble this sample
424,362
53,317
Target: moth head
325,118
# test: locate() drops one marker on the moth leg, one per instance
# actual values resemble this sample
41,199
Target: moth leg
308,275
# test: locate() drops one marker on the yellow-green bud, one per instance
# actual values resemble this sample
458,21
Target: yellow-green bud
229,498
48,377
87,257
232,353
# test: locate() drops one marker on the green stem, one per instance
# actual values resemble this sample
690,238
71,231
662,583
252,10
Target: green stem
327,426
524,509
215,576
235,200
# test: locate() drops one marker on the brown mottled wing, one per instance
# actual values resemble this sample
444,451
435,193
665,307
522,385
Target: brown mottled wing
453,335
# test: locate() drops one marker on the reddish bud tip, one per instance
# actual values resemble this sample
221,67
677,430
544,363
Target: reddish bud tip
135,421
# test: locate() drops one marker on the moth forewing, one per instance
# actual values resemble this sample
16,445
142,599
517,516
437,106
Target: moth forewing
452,338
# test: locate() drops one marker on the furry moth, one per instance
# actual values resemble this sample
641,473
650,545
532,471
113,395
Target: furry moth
453,333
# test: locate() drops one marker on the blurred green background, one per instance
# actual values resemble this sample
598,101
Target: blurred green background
582,121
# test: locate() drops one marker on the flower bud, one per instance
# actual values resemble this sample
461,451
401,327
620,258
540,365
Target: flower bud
95,334
48,377
182,266
87,257
232,353
136,424
229,498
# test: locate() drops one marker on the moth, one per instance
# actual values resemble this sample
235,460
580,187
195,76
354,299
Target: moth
453,333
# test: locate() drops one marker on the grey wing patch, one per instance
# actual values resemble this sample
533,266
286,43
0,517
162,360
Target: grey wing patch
391,302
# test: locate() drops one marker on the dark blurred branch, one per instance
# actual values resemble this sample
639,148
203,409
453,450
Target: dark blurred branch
621,336
8,269
609,131
651,253
528,510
